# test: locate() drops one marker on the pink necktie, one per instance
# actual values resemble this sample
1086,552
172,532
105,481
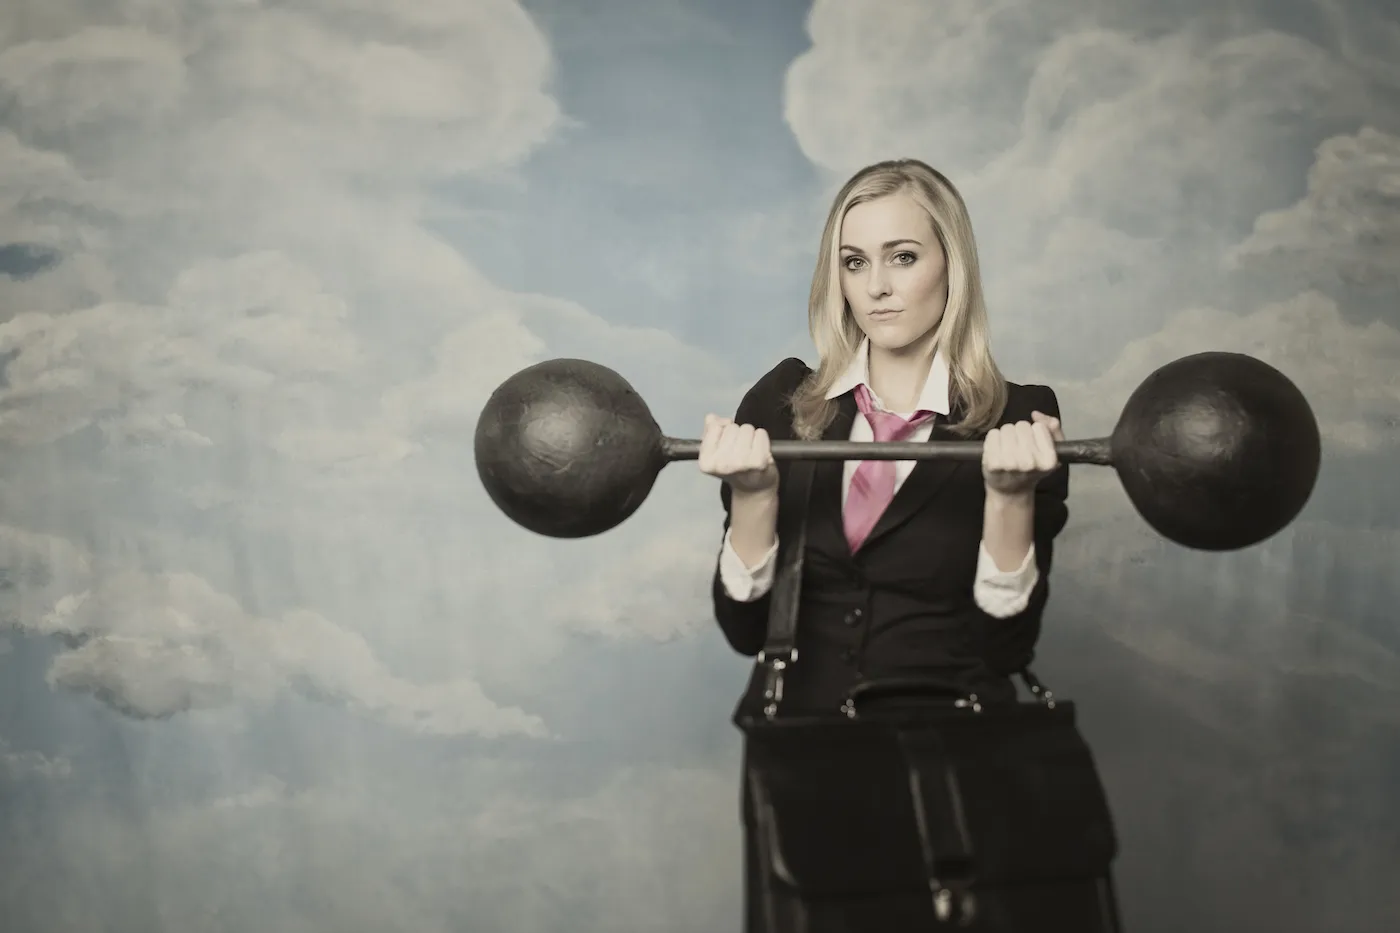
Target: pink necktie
872,486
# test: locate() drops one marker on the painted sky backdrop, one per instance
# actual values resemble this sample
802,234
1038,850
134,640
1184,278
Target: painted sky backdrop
271,661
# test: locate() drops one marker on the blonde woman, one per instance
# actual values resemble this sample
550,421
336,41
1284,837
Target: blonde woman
933,572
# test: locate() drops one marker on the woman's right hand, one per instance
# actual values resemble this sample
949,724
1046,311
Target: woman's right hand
738,454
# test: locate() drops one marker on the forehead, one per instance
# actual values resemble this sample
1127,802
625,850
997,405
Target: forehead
894,216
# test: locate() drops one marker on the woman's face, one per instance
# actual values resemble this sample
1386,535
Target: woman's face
893,271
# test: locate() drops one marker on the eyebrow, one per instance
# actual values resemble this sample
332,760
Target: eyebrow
888,245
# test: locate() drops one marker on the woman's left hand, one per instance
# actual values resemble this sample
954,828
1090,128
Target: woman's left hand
1017,456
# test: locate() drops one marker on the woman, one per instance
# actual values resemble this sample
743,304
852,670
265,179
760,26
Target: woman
935,570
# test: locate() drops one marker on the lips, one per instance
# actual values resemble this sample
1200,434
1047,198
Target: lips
883,314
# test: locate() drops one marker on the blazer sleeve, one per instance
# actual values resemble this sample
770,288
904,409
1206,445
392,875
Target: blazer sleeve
1011,641
745,624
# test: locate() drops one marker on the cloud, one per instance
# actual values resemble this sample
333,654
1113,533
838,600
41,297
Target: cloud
656,586
1346,226
1170,136
1346,370
165,133
48,207
967,85
25,765
35,571
250,326
152,645
421,88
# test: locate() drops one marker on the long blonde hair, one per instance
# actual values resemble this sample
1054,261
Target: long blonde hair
976,385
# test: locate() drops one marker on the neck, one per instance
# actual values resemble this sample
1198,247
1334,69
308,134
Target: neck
898,376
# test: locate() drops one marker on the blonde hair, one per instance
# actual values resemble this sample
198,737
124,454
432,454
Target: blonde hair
976,383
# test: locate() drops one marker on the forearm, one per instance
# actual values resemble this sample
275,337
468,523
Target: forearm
753,525
1008,528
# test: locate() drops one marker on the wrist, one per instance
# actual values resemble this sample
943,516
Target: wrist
751,500
1000,500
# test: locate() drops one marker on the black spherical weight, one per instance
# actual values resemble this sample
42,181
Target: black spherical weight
567,448
1217,451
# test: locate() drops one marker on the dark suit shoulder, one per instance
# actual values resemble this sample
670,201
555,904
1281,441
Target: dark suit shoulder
765,404
782,379
1021,400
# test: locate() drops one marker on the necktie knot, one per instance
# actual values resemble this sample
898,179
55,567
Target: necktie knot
885,425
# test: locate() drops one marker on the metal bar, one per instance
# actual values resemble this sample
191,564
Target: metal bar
1096,450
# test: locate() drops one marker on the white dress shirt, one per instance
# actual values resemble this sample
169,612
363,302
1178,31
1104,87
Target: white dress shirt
998,593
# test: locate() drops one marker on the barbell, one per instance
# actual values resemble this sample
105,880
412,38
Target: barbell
1216,451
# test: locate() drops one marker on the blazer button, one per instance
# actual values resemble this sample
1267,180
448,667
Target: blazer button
848,656
853,617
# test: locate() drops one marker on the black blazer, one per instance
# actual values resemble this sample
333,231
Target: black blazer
902,606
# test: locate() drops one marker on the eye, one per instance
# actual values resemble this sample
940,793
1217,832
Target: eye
907,261
849,263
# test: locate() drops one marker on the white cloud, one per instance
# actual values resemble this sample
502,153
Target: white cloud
656,582
1180,134
98,75
154,645
248,327
32,173
419,87
1078,89
1346,225
1347,371
35,571
45,200
23,765
469,363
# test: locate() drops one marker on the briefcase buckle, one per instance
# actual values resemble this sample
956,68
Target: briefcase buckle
773,682
1037,689
969,702
946,901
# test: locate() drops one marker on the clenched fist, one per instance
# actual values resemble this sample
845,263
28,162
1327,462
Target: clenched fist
1017,456
738,454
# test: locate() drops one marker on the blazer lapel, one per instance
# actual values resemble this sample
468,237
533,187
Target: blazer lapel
922,484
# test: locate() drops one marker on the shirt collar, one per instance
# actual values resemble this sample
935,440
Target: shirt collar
933,398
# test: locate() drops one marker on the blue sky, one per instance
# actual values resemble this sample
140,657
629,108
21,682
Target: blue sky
269,659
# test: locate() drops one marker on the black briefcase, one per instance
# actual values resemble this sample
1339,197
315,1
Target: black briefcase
937,816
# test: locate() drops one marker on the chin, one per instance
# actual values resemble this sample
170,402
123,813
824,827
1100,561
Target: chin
900,338
892,342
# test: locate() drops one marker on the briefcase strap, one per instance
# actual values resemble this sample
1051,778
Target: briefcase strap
780,647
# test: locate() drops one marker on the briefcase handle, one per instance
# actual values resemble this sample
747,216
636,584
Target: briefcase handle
932,690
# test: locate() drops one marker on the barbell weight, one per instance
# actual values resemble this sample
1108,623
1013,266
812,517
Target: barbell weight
1216,451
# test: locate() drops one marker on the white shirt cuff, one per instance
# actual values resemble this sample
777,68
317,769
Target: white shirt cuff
746,584
1003,593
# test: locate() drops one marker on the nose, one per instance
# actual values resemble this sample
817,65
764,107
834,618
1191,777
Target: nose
877,286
